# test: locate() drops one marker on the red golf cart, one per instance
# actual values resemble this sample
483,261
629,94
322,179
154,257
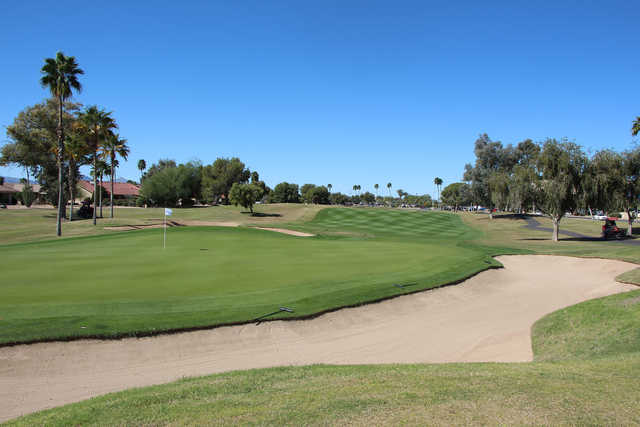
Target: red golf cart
610,229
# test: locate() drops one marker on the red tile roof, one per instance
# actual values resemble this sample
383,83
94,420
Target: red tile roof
119,188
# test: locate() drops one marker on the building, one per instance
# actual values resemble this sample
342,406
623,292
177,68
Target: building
121,190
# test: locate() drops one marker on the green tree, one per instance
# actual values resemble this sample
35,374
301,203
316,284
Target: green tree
338,199
113,147
320,195
77,152
95,124
285,193
142,165
245,195
60,76
631,185
560,168
218,178
306,192
456,195
172,186
438,182
635,128
368,198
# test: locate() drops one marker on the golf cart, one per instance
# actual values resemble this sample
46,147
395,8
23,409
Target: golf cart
610,229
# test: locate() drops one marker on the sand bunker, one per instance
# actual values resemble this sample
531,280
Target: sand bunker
486,318
285,231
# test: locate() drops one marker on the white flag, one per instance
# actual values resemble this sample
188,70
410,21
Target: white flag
168,211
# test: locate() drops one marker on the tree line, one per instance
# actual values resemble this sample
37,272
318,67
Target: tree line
53,139
554,177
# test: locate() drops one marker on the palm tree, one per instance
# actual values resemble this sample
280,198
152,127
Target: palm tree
329,186
142,165
76,152
389,188
96,124
635,129
438,182
376,186
355,187
358,188
60,75
114,146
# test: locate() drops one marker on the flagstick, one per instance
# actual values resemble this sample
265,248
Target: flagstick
164,239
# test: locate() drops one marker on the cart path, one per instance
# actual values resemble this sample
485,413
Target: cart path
485,318
533,224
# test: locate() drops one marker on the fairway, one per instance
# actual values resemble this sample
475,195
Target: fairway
125,284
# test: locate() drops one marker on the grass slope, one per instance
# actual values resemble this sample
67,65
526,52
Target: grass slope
126,284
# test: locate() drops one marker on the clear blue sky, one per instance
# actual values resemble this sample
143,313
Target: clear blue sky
342,92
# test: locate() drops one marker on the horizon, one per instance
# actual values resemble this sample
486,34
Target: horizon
341,93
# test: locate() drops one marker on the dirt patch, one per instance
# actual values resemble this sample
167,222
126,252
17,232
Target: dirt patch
487,318
285,231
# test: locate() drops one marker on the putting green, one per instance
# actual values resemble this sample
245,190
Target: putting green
126,284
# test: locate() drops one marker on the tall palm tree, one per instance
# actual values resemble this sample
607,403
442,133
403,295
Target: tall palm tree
76,151
389,188
142,165
114,146
438,182
355,187
635,129
102,168
376,186
60,75
96,124
329,186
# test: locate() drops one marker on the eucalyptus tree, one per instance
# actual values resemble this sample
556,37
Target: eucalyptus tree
96,124
113,147
60,76
142,165
560,167
631,184
603,182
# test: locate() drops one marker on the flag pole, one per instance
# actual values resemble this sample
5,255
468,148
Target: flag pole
164,238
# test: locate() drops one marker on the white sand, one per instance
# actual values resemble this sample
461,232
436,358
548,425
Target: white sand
486,318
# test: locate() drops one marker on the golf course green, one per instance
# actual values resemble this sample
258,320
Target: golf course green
126,284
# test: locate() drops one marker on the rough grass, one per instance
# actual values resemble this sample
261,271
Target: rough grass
26,225
125,284
576,392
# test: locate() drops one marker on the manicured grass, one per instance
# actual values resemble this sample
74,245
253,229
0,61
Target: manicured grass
577,393
125,284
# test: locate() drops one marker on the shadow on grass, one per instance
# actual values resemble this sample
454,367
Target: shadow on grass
262,214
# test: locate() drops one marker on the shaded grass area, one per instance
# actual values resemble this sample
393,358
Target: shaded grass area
35,224
576,392
125,284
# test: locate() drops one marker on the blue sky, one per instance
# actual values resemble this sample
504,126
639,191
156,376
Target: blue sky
342,92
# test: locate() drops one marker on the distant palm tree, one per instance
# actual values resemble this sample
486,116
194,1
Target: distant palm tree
358,188
635,129
389,188
76,153
329,186
114,146
96,124
142,165
376,186
60,75
355,187
438,182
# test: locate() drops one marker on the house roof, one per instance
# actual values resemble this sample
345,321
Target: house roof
119,188
19,187
6,188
